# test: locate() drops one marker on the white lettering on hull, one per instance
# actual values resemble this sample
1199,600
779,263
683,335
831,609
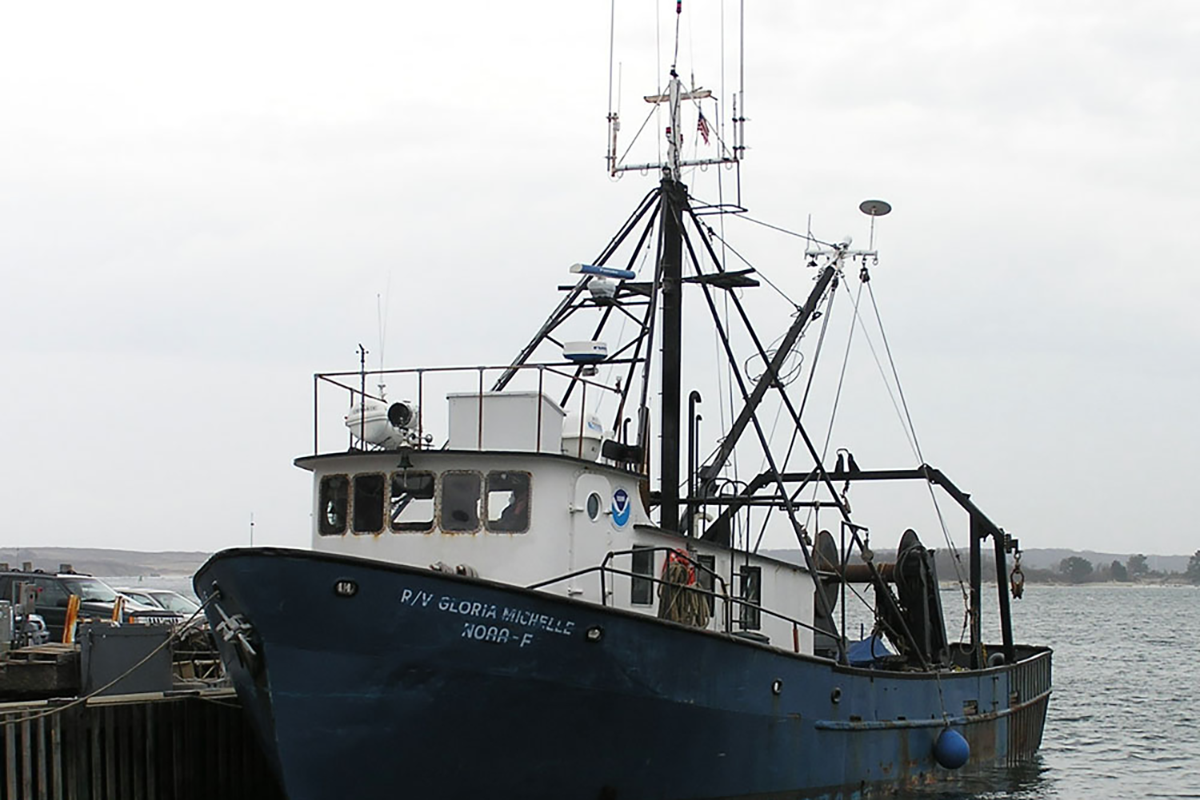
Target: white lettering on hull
482,631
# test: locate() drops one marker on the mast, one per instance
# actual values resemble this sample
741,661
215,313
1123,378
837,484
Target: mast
674,200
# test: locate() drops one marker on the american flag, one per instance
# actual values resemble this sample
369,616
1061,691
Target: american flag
702,126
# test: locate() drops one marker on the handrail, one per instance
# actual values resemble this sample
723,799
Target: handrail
566,370
551,365
679,553
604,567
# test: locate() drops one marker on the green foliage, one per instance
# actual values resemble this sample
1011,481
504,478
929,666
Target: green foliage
1075,569
1118,572
1193,568
1137,565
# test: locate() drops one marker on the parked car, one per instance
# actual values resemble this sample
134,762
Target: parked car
162,598
96,599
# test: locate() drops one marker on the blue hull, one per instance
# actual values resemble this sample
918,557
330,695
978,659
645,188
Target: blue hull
382,681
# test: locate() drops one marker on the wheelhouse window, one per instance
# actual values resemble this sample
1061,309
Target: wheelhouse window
508,502
461,501
368,503
751,616
334,501
642,588
412,500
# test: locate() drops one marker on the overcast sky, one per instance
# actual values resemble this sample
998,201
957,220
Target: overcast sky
200,207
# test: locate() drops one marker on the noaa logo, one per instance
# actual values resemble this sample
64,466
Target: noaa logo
620,508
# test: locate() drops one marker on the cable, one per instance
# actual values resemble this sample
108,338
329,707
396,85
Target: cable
808,237
80,700
837,397
743,259
957,558
883,374
633,141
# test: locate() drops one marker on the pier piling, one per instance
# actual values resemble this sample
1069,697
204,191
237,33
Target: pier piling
178,745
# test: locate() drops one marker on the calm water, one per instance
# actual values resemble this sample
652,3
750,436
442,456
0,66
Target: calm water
1124,720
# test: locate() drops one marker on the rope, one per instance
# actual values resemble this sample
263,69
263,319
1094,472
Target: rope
175,634
678,601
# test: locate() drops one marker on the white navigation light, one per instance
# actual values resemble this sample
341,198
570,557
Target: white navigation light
604,272
585,352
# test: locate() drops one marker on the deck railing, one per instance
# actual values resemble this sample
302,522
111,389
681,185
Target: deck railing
1029,684
557,380
605,570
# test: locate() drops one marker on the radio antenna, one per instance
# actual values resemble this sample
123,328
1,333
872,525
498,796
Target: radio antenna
670,99
614,119
381,315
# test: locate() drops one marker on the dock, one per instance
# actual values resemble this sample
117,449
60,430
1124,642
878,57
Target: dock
179,744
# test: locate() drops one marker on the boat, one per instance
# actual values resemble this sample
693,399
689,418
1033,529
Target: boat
552,586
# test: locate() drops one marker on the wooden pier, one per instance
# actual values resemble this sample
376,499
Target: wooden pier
175,745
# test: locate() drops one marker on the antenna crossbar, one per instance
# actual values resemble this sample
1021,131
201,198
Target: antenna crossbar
699,162
694,94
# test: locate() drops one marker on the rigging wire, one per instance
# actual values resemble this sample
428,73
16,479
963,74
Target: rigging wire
841,381
813,512
956,556
812,372
883,374
841,376
789,376
652,113
808,237
766,280
905,416
608,376
724,260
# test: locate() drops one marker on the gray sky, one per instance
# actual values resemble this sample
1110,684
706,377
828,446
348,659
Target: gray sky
199,208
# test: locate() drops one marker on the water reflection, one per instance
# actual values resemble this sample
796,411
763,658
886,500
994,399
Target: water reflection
1023,782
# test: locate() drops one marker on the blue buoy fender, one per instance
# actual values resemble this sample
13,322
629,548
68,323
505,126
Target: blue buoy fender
951,749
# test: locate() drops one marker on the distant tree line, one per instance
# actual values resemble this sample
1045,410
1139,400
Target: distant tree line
1076,569
1073,569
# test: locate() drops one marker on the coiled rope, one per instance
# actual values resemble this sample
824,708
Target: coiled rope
678,599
